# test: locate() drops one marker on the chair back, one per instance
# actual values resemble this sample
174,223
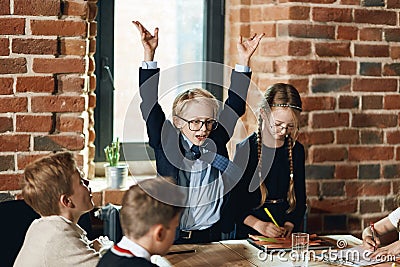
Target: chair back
16,218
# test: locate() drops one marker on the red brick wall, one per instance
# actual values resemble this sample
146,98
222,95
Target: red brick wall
47,83
344,57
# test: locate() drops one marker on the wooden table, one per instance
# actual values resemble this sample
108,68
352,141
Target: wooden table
213,254
235,253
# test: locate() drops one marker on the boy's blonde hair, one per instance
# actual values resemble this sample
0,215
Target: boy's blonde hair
183,98
46,179
142,209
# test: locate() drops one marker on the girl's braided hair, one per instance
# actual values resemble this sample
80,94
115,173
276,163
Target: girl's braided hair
286,96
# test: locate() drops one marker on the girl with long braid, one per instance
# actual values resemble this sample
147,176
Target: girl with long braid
274,176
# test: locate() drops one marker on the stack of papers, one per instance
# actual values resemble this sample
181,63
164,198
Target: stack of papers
354,257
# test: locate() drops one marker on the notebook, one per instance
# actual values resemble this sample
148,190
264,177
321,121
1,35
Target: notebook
285,244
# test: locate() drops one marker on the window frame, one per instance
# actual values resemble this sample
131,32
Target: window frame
213,45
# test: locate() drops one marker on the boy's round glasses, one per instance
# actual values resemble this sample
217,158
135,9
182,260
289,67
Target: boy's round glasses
196,125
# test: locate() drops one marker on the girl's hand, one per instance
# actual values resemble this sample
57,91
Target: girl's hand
288,228
247,47
149,42
392,249
268,229
370,244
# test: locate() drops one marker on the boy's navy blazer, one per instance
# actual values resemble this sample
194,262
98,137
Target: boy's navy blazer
165,139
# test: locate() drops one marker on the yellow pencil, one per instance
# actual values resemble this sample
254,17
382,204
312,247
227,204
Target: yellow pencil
272,218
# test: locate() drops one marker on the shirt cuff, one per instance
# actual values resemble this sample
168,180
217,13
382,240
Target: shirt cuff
241,68
149,65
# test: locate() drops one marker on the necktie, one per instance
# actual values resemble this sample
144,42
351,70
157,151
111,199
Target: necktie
196,151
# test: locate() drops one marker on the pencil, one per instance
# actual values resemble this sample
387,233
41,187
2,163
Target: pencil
373,233
272,218
181,251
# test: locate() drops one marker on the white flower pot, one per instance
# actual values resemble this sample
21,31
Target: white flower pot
116,175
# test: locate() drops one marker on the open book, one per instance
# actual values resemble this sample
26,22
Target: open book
280,243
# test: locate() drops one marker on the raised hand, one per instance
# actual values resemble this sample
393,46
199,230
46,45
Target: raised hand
149,41
247,47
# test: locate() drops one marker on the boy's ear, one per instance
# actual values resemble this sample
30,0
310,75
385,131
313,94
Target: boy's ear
159,232
66,201
178,123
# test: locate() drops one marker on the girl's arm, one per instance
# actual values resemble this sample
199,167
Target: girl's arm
381,227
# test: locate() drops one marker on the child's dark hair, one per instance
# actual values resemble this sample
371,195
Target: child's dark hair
284,96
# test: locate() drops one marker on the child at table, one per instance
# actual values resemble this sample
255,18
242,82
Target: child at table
274,176
182,148
54,187
148,224
387,225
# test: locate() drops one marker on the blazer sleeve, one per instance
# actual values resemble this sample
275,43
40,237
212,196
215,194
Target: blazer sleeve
234,106
151,110
297,215
245,201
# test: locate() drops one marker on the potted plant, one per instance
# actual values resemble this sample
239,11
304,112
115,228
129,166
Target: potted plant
116,172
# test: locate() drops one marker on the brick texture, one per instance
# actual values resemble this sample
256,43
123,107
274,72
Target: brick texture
346,56
73,47
10,25
58,104
5,7
70,123
59,65
35,84
37,7
34,123
59,142
4,47
6,124
24,159
59,28
75,8
12,65
47,83
35,46
14,143
6,86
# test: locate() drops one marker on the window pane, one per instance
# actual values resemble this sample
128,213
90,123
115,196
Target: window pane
180,41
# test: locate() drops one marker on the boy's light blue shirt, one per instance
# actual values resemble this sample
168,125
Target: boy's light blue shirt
203,190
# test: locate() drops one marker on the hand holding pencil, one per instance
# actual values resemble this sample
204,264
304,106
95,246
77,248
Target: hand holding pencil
269,229
287,227
370,238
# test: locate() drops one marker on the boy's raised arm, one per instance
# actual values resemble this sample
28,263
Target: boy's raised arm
247,47
149,42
